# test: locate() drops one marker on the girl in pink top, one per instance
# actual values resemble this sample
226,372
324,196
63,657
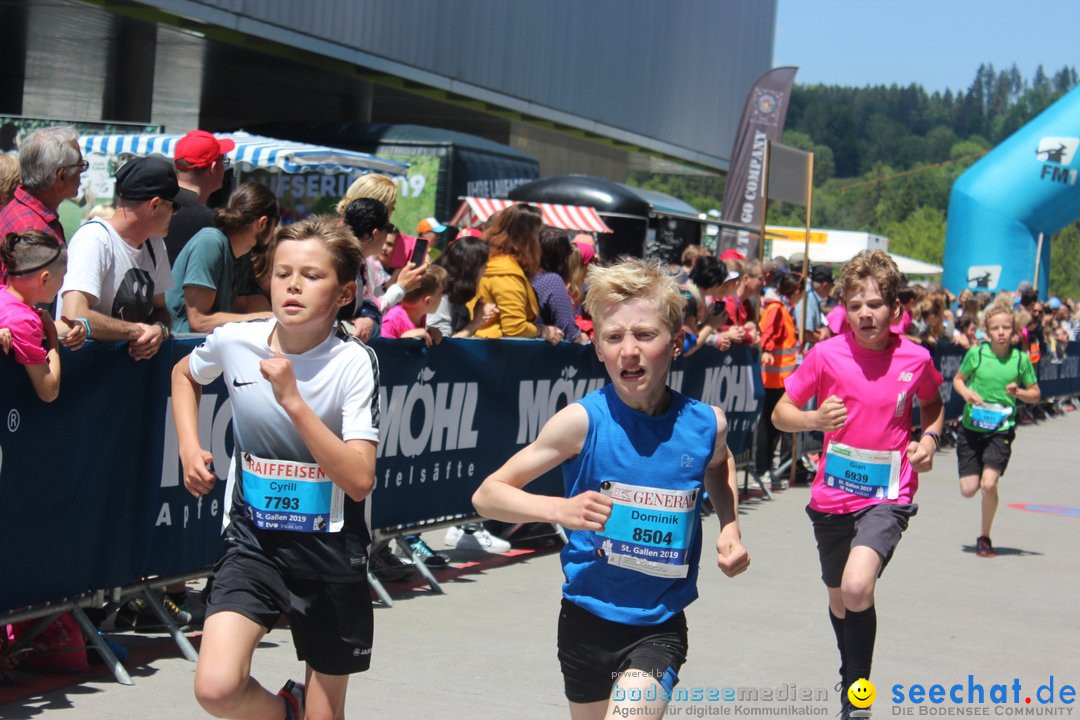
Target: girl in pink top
408,320
35,263
862,497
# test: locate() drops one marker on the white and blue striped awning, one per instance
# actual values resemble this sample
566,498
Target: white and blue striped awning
251,152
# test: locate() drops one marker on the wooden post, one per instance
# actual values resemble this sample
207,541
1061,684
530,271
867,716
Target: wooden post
1038,257
765,202
805,305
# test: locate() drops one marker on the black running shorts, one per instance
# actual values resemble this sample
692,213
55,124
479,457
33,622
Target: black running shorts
976,450
878,527
332,622
592,651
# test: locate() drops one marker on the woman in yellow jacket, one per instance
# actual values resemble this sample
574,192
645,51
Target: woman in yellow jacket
514,241
779,347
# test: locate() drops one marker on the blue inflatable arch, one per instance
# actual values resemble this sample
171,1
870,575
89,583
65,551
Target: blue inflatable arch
1025,186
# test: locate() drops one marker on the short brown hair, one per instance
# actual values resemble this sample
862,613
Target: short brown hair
871,265
336,237
632,279
433,281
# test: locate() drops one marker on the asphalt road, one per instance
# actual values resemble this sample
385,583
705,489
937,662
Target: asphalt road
487,647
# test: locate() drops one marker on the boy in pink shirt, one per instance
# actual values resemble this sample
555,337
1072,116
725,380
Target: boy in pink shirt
409,319
837,321
863,494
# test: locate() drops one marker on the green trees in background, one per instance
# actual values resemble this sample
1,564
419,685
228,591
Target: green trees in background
885,158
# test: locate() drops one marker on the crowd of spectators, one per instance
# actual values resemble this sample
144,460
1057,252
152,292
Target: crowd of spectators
165,262
732,299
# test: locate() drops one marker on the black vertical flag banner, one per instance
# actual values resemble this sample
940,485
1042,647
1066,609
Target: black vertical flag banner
744,195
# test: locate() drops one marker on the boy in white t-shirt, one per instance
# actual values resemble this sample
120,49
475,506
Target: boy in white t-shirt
863,495
305,400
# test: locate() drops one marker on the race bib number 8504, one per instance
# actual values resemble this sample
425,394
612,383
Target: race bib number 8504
649,530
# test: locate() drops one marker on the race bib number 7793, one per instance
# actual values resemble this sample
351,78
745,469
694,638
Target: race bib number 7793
292,496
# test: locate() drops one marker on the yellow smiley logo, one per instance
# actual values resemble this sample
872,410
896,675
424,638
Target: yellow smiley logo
862,693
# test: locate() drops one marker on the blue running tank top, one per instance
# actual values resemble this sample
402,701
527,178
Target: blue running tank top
642,568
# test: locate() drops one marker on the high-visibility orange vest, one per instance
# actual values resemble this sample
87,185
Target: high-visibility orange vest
1034,352
778,337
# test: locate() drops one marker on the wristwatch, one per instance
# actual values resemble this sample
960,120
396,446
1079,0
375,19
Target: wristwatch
164,331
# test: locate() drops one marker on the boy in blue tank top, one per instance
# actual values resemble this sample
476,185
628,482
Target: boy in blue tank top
636,457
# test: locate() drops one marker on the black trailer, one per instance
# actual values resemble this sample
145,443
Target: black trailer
646,223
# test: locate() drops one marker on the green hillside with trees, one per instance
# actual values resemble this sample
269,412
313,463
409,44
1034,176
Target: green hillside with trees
885,158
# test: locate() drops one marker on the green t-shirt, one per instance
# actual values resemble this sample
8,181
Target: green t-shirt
206,261
987,374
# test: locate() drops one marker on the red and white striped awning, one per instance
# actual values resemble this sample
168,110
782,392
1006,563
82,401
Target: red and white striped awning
476,210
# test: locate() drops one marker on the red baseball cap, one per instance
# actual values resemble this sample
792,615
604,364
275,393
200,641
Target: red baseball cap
732,254
198,149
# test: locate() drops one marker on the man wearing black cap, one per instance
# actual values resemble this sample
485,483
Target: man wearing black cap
818,290
118,270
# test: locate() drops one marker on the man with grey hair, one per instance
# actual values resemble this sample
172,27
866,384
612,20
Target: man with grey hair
51,165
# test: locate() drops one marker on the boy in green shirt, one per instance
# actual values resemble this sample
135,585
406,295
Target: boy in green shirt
990,380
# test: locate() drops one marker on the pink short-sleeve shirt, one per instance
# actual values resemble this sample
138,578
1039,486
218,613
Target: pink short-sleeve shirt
877,388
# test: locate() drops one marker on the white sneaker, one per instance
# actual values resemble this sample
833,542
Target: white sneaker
453,535
476,539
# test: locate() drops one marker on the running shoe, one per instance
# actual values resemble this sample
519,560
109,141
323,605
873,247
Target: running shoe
191,606
293,695
136,614
845,704
475,537
983,547
388,567
423,551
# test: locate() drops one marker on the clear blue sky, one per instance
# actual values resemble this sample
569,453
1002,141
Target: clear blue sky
936,43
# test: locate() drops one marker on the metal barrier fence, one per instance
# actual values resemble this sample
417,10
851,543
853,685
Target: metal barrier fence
93,482
93,487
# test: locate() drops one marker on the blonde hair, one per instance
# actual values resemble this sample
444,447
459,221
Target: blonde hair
373,186
876,265
575,271
691,253
634,279
9,177
1000,308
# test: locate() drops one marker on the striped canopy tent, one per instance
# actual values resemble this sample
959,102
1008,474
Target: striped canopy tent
476,210
252,152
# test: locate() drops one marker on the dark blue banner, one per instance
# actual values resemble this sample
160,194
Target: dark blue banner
454,413
78,504
93,484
